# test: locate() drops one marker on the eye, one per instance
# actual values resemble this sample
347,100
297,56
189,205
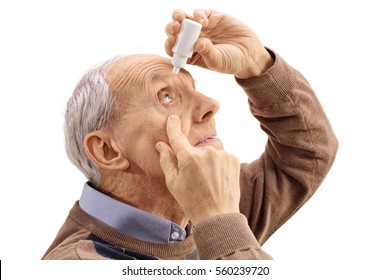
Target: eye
165,97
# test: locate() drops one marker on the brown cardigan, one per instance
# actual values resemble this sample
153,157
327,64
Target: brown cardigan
300,151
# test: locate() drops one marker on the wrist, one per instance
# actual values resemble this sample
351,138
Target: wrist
258,66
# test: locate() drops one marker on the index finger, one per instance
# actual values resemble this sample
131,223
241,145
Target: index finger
172,28
180,15
202,16
177,139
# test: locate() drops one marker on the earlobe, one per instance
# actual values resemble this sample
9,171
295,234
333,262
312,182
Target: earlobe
103,152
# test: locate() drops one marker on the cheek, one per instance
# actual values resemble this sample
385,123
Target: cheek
186,122
142,151
155,131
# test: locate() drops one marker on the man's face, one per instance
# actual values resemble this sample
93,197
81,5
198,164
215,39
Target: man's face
151,93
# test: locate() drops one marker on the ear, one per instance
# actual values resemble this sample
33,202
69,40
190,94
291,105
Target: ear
103,152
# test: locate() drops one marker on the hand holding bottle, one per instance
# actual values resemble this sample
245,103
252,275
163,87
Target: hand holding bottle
225,44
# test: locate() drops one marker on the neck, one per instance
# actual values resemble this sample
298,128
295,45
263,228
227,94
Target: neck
145,193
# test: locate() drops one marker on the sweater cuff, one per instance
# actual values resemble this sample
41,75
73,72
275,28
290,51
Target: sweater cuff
222,235
273,86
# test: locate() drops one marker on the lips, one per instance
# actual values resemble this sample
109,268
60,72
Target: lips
206,140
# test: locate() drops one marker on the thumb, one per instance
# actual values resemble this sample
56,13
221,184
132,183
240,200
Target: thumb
210,54
168,163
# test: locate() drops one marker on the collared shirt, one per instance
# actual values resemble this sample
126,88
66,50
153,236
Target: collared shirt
129,220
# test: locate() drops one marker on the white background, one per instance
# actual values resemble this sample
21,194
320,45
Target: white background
342,47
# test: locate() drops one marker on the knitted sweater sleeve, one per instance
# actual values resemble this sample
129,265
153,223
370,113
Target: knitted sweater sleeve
300,150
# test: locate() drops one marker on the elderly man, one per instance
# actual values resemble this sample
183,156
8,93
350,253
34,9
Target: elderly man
160,185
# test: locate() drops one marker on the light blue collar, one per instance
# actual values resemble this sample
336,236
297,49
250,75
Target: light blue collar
129,220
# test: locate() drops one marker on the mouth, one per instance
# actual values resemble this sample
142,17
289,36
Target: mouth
207,140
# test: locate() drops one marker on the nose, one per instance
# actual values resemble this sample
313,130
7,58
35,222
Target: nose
205,109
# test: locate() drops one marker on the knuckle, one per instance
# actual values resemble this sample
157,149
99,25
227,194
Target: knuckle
169,44
178,15
199,13
175,137
168,28
186,160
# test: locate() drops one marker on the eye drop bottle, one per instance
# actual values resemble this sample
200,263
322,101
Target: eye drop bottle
183,48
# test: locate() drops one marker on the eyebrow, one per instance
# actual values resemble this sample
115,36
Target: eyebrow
168,77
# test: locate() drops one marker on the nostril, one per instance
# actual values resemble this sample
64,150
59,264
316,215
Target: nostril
205,109
207,116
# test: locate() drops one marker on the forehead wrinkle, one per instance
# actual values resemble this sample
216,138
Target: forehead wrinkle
170,78
136,71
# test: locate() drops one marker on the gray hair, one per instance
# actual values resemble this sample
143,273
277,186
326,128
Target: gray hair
90,108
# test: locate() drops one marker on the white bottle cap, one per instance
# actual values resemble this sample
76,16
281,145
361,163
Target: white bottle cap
183,48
